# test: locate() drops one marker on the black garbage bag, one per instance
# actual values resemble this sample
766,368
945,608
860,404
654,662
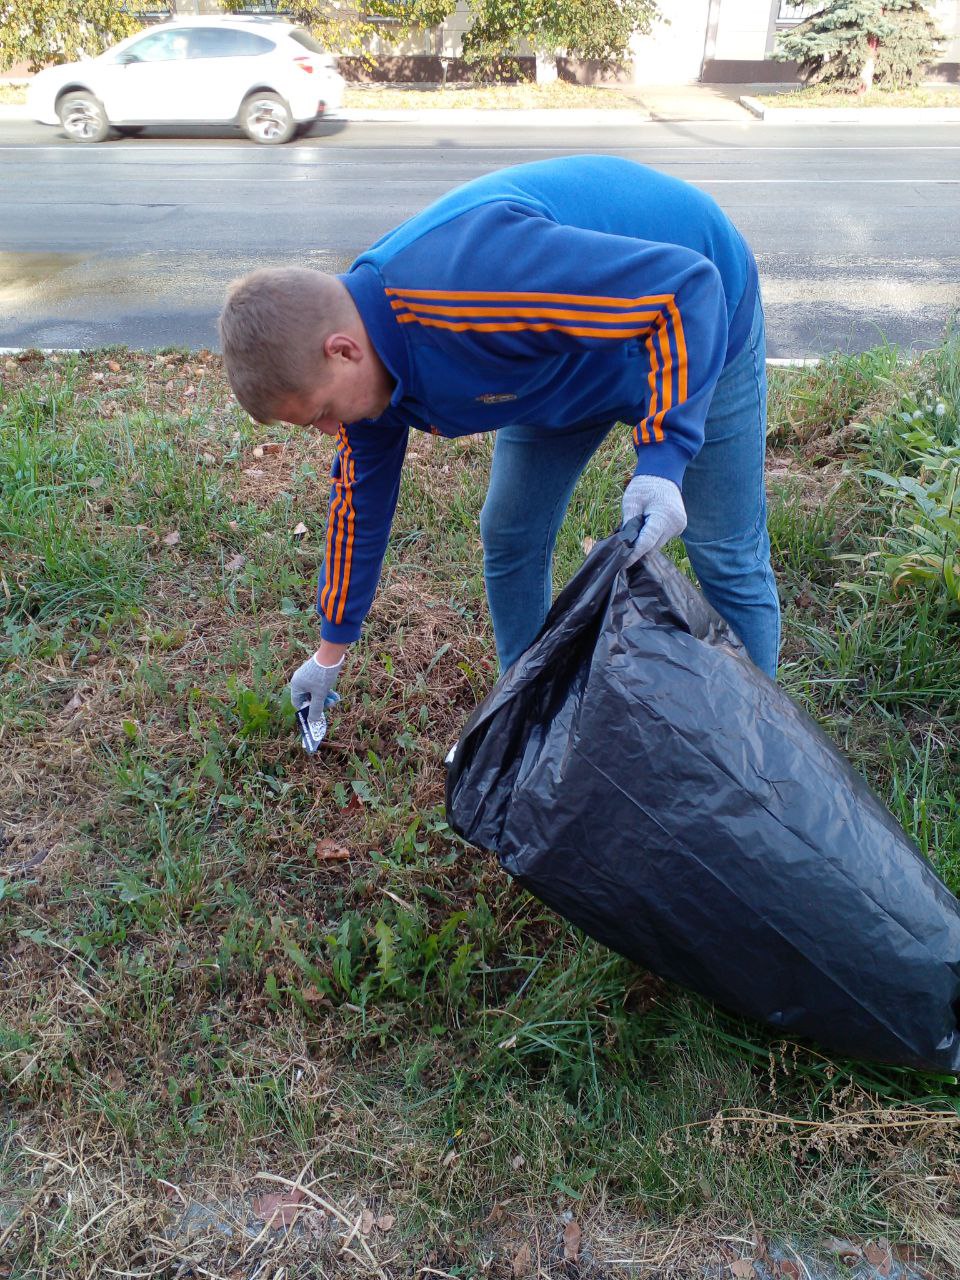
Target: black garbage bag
637,773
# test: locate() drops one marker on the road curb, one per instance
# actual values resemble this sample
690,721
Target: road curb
617,117
849,115
553,116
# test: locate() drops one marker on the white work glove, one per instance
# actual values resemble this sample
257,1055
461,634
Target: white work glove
311,686
659,502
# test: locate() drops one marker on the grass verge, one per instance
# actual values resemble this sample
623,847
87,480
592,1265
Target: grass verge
261,1011
820,96
494,97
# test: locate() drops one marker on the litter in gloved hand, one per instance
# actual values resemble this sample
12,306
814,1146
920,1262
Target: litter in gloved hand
313,732
638,774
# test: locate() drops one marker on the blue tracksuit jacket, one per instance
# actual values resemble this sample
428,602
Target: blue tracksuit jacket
558,294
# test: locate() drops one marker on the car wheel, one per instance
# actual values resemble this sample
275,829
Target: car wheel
83,117
265,117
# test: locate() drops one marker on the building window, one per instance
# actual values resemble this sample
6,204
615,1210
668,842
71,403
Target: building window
789,13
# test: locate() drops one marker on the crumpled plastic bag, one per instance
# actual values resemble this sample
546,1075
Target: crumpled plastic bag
637,773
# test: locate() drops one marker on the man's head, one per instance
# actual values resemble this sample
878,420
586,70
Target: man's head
296,350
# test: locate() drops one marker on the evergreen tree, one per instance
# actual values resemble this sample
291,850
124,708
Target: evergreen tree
854,44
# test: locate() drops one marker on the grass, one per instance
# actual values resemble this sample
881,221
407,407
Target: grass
560,93
822,96
225,963
407,97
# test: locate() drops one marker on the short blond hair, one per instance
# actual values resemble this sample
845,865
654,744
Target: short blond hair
272,330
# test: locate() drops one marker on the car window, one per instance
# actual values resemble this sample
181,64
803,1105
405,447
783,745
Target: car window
208,42
307,40
159,46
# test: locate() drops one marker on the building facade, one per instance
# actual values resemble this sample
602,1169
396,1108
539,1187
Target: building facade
710,40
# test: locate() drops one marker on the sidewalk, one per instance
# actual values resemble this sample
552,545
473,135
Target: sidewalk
642,104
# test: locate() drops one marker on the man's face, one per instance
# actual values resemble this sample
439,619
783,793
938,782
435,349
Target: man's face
350,391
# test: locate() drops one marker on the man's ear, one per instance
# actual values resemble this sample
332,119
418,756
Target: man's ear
340,346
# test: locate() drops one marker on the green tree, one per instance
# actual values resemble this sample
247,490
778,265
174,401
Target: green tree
855,44
597,30
39,32
341,28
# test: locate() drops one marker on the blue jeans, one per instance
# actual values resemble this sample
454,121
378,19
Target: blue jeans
533,476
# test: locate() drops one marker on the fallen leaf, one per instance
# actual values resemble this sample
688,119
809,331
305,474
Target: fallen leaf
272,446
509,1043
235,562
495,1215
571,1241
258,452
518,1162
255,472
878,1255
278,1209
208,460
114,1078
73,706
189,392
743,1269
848,1252
451,1156
366,1222
588,545
300,530
172,538
11,366
327,851
232,524
385,1222
907,1253
786,1270
113,366
521,1261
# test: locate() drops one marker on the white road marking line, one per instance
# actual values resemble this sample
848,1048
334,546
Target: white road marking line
150,149
179,180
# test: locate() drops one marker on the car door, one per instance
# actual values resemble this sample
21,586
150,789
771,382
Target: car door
149,79
231,61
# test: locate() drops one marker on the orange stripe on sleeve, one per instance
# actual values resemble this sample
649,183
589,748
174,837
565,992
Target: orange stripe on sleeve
345,586
666,377
553,313
681,350
590,300
328,568
652,381
335,528
639,331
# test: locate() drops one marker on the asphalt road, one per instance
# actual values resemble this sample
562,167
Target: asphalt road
854,227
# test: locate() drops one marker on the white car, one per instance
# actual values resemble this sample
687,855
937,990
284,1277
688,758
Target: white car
267,76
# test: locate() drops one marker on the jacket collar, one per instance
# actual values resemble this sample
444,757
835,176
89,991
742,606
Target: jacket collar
366,289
